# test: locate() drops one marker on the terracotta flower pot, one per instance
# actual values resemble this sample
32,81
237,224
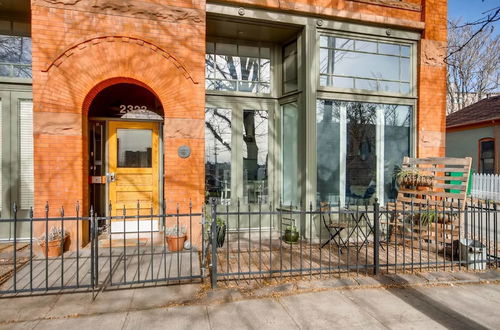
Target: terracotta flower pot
175,243
54,248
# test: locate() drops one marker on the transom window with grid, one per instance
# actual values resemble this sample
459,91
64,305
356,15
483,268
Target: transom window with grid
365,65
238,68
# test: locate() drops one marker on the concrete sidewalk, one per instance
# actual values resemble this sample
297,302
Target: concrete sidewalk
429,300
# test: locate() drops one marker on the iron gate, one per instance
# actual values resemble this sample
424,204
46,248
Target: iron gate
103,259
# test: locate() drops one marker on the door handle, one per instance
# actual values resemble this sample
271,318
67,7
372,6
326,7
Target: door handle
111,177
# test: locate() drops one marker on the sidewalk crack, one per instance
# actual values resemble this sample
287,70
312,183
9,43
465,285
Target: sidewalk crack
288,312
208,318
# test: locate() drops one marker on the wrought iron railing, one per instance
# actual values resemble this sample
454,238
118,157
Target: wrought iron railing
130,247
332,240
94,253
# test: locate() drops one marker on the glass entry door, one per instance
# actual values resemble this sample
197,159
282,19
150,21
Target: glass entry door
133,173
239,156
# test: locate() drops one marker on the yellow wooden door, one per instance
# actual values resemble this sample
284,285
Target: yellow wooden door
133,173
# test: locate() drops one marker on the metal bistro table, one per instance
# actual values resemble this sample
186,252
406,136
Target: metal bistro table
335,229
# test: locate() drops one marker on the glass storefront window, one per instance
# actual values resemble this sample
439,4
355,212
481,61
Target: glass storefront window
218,154
290,154
15,56
374,139
234,67
361,152
255,156
365,65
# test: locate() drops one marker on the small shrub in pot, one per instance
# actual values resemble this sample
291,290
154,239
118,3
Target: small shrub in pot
52,243
175,236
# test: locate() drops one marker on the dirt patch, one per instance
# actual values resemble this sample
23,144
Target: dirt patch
7,259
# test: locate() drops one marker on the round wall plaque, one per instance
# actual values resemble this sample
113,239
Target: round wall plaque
184,151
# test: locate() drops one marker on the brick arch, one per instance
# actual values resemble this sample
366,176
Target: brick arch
82,45
62,96
69,81
108,83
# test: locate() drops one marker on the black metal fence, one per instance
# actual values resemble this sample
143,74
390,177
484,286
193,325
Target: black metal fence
92,253
331,240
253,242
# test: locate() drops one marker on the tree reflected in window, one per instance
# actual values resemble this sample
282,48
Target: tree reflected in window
15,56
255,155
218,154
232,67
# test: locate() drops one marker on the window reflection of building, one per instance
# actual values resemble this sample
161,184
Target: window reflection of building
377,137
365,65
255,155
134,148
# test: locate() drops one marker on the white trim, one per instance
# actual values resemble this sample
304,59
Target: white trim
134,226
380,142
342,153
26,154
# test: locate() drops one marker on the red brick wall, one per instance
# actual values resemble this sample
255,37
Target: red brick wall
77,47
432,80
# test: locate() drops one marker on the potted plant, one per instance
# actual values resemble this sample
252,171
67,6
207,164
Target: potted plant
52,243
221,231
175,236
433,216
291,234
411,177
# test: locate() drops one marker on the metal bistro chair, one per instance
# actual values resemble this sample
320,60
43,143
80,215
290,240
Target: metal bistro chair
334,228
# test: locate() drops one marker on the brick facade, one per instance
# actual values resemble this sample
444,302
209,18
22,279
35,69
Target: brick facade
80,45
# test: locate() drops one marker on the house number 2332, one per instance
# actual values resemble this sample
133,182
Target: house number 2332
132,108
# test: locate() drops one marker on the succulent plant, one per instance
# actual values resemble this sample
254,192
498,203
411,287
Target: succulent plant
411,177
54,234
176,231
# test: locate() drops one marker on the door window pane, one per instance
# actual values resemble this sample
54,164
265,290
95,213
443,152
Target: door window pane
328,150
290,154
134,147
255,156
218,154
361,152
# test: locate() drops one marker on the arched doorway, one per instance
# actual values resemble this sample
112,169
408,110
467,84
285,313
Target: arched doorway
125,155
